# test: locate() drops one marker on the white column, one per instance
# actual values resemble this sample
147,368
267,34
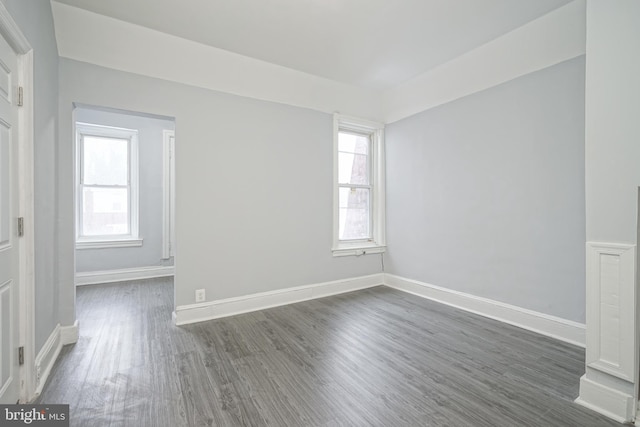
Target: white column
612,151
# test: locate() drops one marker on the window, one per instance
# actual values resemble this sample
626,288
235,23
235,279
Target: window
107,177
358,187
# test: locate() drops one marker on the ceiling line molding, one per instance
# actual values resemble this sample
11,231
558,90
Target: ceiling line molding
89,37
553,38
108,42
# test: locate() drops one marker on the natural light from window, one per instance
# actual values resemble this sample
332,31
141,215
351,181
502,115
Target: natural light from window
105,207
354,186
358,187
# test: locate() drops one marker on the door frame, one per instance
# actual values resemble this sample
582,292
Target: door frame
26,253
168,193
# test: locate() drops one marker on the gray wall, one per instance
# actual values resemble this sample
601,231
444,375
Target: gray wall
36,22
253,183
486,194
150,189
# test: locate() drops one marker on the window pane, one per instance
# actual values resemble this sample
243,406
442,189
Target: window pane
105,161
353,143
354,214
353,169
105,211
353,159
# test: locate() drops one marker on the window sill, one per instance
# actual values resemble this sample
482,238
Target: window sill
358,250
105,244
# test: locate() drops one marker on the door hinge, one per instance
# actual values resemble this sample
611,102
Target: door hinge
20,227
21,355
20,96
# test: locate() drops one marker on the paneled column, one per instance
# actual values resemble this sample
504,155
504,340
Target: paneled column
612,153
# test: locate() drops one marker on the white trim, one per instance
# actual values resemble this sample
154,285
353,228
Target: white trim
131,135
109,276
70,334
46,359
10,30
551,326
359,250
168,193
27,203
605,400
105,131
611,301
231,306
377,185
9,287
48,354
104,244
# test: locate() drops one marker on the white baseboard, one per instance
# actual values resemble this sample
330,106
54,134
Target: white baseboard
554,327
109,276
48,354
605,400
231,306
46,358
69,334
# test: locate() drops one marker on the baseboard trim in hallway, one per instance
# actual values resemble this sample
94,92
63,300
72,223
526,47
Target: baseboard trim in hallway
110,276
200,312
46,358
48,354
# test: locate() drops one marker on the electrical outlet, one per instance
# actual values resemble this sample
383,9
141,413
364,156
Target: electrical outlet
200,295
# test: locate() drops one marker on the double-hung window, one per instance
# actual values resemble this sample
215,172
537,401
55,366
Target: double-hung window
358,187
107,187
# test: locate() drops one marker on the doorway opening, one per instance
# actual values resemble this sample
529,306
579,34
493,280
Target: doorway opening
124,197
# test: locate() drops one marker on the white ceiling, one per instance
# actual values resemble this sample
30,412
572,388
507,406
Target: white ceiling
371,43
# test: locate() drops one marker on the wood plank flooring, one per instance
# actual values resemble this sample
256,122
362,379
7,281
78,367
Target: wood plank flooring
377,357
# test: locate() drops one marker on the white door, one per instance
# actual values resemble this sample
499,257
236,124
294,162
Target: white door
9,262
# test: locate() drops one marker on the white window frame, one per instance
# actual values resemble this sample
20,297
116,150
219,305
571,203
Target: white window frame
108,241
168,194
377,243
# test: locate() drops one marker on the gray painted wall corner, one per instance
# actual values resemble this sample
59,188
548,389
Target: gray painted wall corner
486,194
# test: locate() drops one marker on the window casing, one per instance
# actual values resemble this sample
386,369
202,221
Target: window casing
107,187
359,198
168,194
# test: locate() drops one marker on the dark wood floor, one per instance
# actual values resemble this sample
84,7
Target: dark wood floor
375,357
